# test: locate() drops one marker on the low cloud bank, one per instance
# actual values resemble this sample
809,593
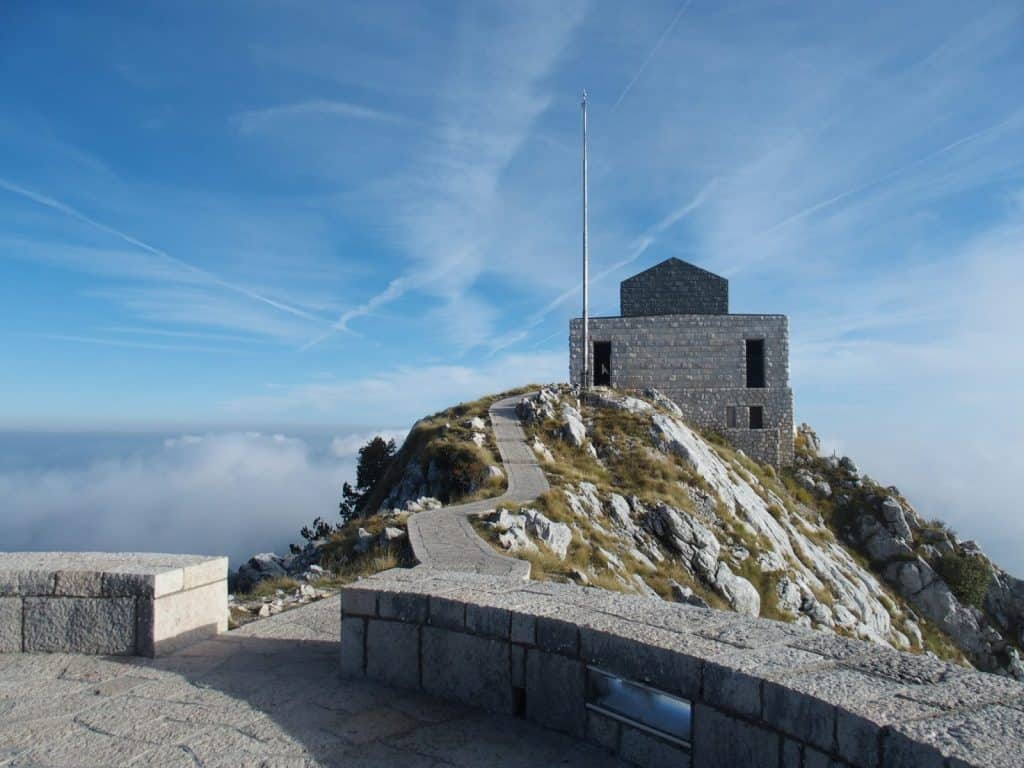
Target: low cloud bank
226,493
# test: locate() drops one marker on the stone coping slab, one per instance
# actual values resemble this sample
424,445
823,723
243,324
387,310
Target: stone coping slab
109,603
105,574
754,684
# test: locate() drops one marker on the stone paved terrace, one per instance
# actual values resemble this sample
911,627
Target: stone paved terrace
264,695
443,539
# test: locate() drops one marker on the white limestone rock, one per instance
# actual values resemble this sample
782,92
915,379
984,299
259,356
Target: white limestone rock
805,478
770,561
743,597
895,520
697,545
613,560
844,618
476,424
573,431
538,407
585,501
611,399
662,401
260,567
502,520
880,544
391,534
683,594
516,540
810,437
478,439
620,514
789,596
364,540
542,451
555,536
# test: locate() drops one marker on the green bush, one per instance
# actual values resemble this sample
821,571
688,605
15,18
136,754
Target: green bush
968,576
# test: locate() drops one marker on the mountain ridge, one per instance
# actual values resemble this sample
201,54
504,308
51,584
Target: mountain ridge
642,502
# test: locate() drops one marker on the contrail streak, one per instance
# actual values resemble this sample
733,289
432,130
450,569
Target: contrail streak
74,213
131,344
394,290
679,14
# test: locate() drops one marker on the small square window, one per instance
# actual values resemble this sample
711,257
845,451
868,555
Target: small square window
756,417
730,416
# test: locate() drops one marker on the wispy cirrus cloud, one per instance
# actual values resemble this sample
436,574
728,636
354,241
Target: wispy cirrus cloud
258,119
489,105
191,269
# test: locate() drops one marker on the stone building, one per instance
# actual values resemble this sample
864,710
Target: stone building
729,373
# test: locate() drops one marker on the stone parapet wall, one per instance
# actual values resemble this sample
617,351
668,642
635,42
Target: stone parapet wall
761,693
700,362
116,604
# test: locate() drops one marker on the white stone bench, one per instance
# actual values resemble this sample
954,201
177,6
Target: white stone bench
109,603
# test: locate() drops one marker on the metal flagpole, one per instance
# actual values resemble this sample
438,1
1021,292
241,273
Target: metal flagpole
586,261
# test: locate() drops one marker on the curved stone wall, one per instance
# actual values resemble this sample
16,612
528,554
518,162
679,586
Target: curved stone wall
762,693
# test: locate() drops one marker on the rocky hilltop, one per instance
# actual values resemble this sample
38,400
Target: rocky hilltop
642,502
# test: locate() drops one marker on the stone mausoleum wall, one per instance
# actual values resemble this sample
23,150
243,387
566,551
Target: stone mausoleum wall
760,694
700,362
674,287
112,604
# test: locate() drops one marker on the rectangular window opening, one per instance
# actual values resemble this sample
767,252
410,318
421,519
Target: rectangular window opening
755,364
518,701
602,363
660,714
756,417
730,416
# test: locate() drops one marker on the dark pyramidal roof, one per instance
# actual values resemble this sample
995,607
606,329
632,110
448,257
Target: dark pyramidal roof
674,287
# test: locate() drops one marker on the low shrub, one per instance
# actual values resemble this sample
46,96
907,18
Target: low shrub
968,576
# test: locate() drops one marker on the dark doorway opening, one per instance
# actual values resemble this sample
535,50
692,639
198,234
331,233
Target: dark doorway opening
602,363
755,363
756,417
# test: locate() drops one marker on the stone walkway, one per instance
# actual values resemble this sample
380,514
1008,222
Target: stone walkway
265,695
444,539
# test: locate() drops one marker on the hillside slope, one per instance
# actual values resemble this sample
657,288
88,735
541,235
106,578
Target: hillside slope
641,502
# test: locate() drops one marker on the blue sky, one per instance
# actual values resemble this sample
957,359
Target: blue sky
352,214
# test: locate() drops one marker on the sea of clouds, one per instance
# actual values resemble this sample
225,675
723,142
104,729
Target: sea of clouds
232,493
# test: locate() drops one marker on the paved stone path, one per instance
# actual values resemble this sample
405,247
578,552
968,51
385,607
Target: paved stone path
443,539
264,695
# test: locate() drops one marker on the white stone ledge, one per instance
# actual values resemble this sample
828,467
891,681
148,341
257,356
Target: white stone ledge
109,603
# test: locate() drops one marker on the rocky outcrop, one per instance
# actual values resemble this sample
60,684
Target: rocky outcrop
906,552
519,532
820,544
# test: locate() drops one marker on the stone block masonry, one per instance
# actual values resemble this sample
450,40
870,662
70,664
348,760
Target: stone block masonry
700,362
761,694
112,604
